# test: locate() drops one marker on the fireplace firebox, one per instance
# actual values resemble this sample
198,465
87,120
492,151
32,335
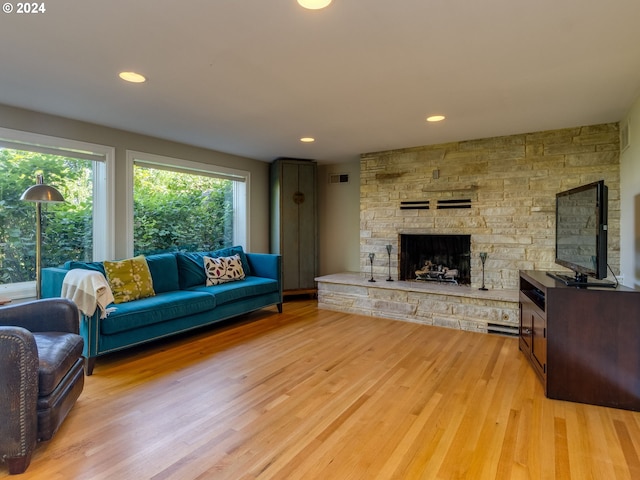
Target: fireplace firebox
435,258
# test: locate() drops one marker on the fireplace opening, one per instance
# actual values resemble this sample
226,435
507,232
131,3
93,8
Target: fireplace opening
436,258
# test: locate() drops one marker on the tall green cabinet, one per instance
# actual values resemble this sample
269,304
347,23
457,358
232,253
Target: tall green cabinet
294,229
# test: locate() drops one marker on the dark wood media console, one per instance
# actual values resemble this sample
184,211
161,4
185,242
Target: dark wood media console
584,343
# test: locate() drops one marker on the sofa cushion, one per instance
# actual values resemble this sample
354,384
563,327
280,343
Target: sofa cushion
223,270
191,265
160,308
164,272
232,291
129,279
57,352
191,269
97,266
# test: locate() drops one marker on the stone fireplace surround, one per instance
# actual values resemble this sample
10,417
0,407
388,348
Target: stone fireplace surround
500,191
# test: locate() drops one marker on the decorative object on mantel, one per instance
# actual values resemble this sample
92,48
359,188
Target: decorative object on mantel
389,176
483,258
389,247
39,194
371,257
464,188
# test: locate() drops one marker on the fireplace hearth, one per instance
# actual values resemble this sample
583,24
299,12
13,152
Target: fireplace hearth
435,258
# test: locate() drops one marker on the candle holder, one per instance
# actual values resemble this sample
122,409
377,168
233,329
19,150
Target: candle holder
483,258
389,247
371,257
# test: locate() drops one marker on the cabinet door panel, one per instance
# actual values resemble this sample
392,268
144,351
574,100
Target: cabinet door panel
539,342
290,240
307,226
526,323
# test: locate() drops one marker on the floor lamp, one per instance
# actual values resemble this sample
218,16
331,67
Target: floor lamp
40,193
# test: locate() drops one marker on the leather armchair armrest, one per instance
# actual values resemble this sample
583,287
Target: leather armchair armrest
18,396
46,315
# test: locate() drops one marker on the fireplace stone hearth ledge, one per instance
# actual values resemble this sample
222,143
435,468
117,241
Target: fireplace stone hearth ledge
446,305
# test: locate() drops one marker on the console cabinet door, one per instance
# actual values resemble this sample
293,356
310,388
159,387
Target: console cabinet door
526,324
539,342
533,335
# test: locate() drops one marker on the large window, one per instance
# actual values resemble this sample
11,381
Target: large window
76,229
182,205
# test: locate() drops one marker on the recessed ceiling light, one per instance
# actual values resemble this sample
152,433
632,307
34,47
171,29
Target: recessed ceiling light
435,118
314,4
307,139
132,77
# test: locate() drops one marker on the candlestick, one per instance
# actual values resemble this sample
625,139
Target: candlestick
483,258
371,257
389,247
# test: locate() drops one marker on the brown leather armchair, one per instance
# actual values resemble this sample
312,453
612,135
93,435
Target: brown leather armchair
41,374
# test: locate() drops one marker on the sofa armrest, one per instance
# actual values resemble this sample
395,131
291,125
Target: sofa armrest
45,315
52,278
267,265
18,397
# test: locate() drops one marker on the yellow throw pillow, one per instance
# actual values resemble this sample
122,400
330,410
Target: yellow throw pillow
129,279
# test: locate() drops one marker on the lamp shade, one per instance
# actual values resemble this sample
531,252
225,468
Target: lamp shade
42,193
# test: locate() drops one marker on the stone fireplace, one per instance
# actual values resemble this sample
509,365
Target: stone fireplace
435,258
496,193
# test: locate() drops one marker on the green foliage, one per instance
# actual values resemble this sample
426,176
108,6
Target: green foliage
172,211
67,227
181,211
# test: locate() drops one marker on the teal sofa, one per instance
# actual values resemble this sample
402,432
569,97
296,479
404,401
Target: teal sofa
182,302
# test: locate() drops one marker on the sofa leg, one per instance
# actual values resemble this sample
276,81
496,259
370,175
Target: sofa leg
279,308
18,465
89,363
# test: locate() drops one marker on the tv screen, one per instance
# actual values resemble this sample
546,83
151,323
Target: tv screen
581,230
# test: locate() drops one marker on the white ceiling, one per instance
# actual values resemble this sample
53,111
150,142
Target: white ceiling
250,77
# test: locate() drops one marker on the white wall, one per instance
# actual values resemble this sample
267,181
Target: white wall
630,200
339,219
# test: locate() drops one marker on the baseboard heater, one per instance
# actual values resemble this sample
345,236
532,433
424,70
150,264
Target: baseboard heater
509,330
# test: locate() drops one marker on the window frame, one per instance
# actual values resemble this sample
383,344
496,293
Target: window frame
241,198
103,191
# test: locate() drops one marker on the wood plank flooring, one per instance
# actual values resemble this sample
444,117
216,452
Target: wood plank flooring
313,394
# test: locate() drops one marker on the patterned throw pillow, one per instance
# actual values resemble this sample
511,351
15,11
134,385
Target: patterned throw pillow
129,279
223,269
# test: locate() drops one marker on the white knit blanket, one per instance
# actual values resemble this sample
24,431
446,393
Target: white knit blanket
89,290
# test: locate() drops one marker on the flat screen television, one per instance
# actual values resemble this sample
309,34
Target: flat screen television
581,234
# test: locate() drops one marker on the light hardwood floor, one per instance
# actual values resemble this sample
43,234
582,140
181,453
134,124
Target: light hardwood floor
313,394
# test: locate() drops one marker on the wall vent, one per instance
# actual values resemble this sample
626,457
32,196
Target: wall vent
509,330
457,203
625,141
415,205
338,178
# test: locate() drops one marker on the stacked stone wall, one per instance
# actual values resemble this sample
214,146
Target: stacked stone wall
511,182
